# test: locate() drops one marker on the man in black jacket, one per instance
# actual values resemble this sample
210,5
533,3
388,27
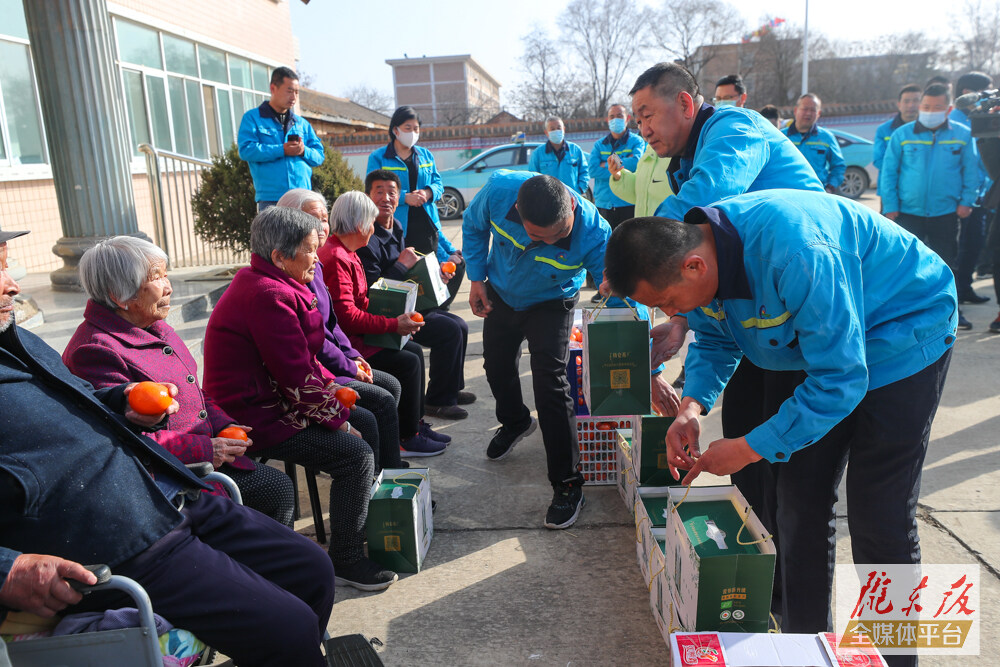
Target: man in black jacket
79,482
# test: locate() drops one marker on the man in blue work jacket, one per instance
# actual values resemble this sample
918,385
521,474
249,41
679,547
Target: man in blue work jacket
717,153
628,147
560,158
907,105
818,144
930,176
526,283
280,147
803,281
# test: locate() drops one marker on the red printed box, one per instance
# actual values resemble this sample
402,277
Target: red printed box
598,441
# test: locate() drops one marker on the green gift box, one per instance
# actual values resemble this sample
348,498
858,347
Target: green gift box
390,298
400,523
649,451
719,560
431,289
616,370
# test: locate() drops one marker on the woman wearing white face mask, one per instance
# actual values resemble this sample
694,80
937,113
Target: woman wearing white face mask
420,187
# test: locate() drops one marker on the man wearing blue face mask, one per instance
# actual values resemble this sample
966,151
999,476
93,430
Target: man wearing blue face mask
628,146
930,176
560,158
730,91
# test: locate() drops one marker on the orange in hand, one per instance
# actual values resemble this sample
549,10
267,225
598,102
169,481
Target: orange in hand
149,398
233,433
417,317
347,397
448,267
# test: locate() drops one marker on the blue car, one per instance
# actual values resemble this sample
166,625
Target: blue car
858,153
462,183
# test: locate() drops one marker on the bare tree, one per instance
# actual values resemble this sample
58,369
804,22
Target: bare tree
607,36
372,98
549,88
691,31
977,36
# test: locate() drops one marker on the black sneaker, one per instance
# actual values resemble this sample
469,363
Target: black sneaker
963,323
972,297
995,325
506,438
445,411
566,504
365,575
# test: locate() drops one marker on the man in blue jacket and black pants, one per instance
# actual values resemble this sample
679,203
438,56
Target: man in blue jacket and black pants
818,144
280,147
529,240
822,285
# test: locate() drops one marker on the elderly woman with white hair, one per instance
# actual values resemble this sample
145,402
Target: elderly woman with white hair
260,365
352,223
375,412
124,338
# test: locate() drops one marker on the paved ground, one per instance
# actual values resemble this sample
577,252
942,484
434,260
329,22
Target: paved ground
498,588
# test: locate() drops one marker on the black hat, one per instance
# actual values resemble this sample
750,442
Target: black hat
7,236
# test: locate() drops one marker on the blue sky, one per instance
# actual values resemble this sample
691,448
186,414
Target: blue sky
342,46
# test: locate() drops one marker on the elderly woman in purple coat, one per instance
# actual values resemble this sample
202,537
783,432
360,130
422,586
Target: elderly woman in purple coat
124,338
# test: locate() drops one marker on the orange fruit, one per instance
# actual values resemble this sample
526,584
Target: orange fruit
234,433
417,317
448,267
347,397
149,398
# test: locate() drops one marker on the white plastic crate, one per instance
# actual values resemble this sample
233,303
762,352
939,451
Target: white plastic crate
598,441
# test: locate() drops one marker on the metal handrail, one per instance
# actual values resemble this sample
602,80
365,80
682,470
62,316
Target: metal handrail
172,216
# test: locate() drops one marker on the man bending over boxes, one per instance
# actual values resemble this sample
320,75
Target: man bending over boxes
799,280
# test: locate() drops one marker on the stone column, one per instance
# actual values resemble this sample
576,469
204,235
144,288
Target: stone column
84,118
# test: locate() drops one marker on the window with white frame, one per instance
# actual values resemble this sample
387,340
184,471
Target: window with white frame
22,141
183,96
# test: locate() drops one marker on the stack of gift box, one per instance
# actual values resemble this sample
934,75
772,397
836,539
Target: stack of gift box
704,556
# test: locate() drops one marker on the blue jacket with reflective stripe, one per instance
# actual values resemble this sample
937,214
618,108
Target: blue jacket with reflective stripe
730,151
628,148
427,177
928,173
882,135
261,141
572,169
819,146
821,284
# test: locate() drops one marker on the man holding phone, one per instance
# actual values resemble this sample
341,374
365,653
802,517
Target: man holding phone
280,147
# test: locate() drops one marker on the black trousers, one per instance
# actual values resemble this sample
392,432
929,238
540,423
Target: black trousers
447,336
971,238
546,327
407,366
939,233
618,215
993,256
882,443
243,583
753,396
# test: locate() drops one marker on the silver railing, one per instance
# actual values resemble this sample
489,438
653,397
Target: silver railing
173,180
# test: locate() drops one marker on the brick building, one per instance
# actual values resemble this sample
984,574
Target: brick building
446,90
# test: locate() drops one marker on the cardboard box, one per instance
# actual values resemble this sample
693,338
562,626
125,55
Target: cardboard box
400,523
650,524
738,649
390,298
663,606
616,368
718,582
626,474
597,438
